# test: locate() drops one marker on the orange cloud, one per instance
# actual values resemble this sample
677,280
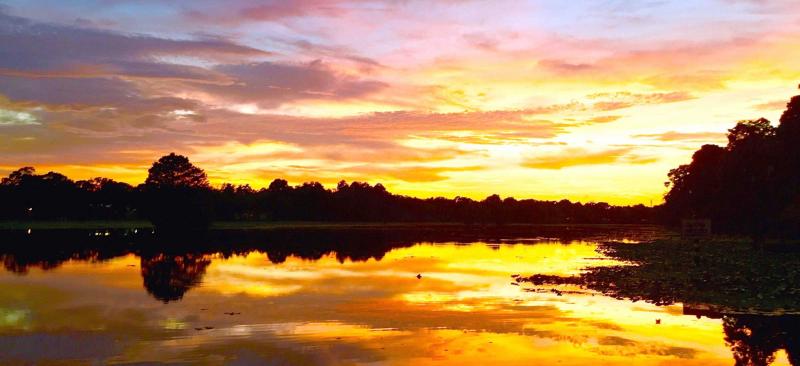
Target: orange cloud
602,119
407,92
771,105
685,136
419,174
578,156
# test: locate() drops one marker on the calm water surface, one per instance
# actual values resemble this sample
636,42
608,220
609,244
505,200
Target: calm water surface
273,305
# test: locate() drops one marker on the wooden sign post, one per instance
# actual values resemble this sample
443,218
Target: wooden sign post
695,229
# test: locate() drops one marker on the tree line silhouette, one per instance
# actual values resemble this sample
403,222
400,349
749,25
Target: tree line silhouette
177,195
749,187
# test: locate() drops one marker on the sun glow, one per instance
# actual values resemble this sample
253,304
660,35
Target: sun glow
461,103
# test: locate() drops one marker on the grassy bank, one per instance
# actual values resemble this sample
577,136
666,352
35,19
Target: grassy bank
725,274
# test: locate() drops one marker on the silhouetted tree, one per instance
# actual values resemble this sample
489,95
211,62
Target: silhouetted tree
177,195
695,186
788,135
108,198
173,170
16,177
751,186
47,196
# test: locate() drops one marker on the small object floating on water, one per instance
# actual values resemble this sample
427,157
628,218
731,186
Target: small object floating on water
208,327
514,284
658,321
514,276
198,328
419,276
232,313
203,309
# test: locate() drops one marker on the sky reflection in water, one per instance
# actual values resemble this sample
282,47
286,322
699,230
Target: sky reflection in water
246,309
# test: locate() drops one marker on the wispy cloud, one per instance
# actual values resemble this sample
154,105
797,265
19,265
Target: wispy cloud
573,157
685,136
45,49
436,97
17,118
771,105
621,100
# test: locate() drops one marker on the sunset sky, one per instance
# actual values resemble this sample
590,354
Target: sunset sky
585,100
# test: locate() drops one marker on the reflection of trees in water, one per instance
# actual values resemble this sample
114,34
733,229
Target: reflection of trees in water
21,260
167,277
170,266
755,339
21,265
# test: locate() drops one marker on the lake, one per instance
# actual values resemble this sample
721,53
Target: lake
317,297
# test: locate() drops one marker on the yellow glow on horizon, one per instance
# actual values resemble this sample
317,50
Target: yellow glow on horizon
476,155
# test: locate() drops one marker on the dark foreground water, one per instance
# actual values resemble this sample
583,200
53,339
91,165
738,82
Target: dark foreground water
364,297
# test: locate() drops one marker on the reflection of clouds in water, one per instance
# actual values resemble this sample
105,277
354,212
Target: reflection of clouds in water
451,270
14,318
327,311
